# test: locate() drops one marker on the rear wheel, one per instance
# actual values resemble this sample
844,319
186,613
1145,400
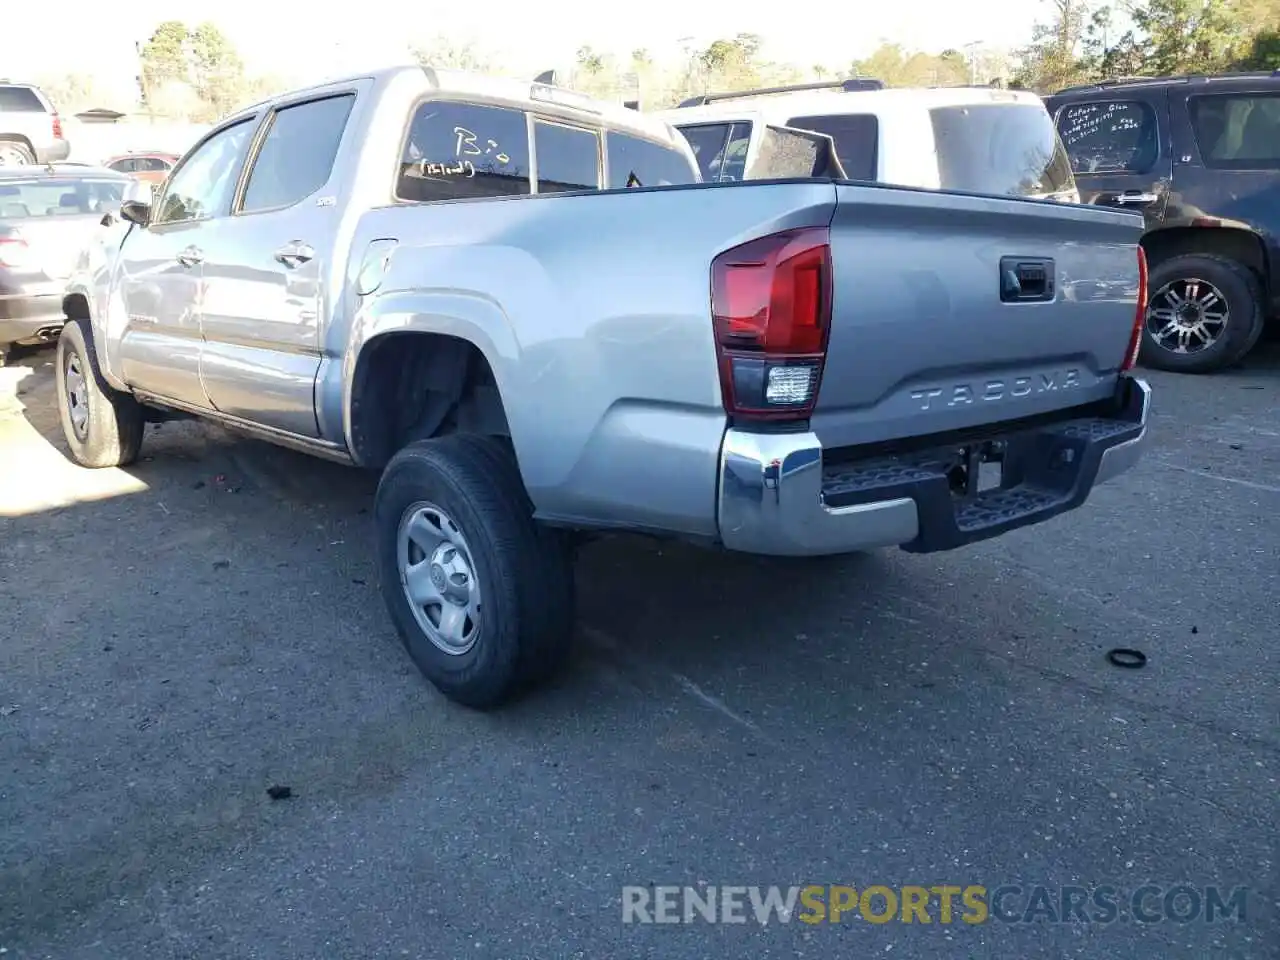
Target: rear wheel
15,153
1204,313
102,426
481,595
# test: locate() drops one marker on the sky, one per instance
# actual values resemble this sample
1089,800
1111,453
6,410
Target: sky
326,40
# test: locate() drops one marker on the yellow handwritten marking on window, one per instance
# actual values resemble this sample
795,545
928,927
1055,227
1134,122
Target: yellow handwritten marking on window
466,146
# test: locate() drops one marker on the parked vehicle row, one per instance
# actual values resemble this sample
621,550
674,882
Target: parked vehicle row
528,311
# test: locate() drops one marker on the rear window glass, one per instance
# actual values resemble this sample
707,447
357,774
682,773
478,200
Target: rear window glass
720,149
52,198
19,100
635,162
855,137
1238,132
568,157
459,150
1000,149
1107,136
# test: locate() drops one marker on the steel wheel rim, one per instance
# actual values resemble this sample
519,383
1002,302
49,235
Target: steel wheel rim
1187,315
77,393
11,157
438,577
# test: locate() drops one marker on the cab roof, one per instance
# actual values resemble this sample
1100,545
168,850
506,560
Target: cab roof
528,93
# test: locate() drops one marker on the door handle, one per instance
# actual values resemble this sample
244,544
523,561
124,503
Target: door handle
1126,198
191,256
295,254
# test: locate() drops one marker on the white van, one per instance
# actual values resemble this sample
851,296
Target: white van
968,139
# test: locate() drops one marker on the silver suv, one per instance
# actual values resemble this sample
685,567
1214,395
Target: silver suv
30,128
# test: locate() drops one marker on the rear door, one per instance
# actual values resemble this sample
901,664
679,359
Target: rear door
266,265
928,335
1119,150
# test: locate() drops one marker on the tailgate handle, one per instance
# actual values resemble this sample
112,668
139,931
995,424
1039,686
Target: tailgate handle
1026,279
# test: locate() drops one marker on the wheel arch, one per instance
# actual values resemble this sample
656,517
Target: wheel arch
1234,243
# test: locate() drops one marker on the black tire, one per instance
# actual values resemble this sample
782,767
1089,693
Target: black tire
20,148
113,429
523,570
1242,291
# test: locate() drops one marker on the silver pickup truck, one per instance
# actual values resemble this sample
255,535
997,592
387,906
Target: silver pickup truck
524,309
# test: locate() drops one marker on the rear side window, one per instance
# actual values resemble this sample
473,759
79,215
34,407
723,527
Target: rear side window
1005,149
455,151
29,199
1237,132
568,157
127,165
20,100
296,158
720,149
855,137
1107,136
636,162
154,165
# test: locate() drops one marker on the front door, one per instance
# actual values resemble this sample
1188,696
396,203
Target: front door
265,270
161,270
1119,150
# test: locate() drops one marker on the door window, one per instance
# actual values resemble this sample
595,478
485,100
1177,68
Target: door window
855,136
568,158
457,151
720,148
126,165
1108,136
1237,132
635,162
154,164
296,158
203,185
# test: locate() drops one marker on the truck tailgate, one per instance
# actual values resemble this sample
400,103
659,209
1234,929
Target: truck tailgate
939,321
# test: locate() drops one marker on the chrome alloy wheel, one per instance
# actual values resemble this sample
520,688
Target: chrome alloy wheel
439,578
1187,315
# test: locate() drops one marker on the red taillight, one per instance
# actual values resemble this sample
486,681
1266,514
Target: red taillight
1140,315
13,252
771,306
57,126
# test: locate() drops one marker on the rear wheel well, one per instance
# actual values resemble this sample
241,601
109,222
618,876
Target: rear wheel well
1240,245
414,386
75,306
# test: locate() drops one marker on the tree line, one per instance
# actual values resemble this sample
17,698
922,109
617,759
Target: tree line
195,74
1084,41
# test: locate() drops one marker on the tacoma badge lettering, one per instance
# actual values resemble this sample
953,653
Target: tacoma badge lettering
963,394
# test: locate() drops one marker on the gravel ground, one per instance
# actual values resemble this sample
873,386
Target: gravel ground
177,638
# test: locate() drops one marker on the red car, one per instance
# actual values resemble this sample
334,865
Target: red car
149,167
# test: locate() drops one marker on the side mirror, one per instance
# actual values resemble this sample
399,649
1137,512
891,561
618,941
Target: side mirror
136,212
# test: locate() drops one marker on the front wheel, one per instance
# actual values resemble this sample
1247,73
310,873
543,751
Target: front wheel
102,426
481,596
1204,313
